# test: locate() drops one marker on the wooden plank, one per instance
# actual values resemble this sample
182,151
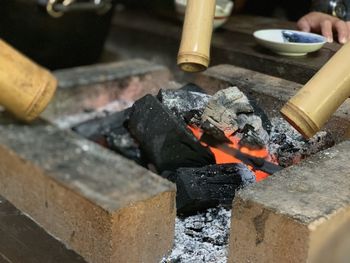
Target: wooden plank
248,24
231,44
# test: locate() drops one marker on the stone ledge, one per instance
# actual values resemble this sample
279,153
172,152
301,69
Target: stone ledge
90,87
301,214
103,206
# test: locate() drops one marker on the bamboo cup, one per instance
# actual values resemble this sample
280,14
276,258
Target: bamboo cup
194,50
315,103
25,87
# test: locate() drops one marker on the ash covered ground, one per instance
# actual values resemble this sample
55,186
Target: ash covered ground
201,238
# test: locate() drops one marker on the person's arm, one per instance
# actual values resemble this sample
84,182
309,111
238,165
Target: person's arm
326,25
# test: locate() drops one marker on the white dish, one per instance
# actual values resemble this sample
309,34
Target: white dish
223,10
299,44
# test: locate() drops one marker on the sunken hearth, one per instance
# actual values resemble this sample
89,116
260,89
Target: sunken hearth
209,145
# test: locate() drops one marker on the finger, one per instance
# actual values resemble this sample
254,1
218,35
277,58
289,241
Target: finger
303,25
326,30
342,30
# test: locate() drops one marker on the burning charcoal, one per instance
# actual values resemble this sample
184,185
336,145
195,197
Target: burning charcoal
293,152
257,129
290,148
165,139
215,132
251,138
182,101
223,108
202,188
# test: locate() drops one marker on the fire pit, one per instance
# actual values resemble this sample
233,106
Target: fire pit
210,146
184,135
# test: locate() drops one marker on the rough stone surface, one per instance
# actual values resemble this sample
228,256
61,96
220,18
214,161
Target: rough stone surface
106,208
301,214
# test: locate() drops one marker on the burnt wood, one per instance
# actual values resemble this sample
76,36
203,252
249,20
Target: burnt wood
201,188
164,139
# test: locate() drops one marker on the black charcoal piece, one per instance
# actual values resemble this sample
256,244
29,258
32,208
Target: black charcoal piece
181,102
206,187
164,139
110,132
94,129
120,141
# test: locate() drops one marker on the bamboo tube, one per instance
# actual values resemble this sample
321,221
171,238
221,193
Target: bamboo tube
315,103
25,87
196,35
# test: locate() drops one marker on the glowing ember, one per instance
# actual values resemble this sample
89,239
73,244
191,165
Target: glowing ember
222,157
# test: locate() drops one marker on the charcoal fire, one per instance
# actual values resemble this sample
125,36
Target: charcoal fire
210,146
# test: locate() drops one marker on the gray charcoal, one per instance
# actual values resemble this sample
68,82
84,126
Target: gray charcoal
223,108
181,102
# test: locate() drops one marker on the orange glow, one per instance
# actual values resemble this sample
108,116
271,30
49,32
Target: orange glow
224,158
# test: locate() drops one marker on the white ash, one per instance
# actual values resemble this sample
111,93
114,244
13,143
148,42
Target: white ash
201,238
289,147
69,121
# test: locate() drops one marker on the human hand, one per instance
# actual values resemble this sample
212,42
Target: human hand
325,24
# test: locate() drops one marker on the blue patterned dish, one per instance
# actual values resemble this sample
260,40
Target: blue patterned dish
289,42
301,37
